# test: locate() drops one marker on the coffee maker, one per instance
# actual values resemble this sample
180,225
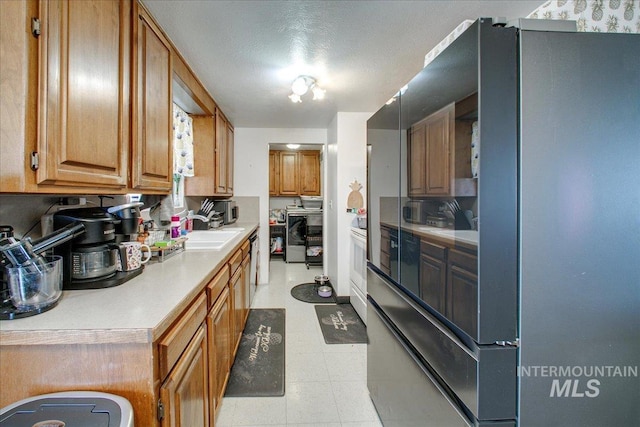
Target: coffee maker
91,260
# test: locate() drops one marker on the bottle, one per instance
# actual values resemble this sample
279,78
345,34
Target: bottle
175,227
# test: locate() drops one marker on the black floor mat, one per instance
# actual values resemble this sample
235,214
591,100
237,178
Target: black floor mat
258,369
308,292
341,324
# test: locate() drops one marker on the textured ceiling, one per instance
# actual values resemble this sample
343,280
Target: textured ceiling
247,53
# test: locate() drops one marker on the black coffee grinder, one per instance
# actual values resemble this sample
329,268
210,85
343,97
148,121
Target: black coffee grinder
90,261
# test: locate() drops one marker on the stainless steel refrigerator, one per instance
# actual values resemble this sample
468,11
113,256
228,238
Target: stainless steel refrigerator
504,233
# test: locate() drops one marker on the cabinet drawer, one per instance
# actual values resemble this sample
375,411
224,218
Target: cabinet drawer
171,346
235,261
468,262
384,260
384,233
217,284
245,249
433,250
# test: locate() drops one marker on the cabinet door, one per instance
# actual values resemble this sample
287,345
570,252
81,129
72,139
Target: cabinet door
274,173
204,140
219,331
84,93
237,303
230,158
438,152
416,160
246,284
152,160
309,163
185,393
221,153
462,291
289,185
385,251
433,275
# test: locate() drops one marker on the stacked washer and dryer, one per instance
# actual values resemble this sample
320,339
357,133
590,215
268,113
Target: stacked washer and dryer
303,237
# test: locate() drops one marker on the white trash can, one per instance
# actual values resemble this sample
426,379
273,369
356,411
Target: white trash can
69,409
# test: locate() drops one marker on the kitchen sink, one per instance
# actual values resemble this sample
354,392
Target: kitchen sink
211,239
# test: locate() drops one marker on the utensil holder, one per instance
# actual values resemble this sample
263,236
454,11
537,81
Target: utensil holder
36,285
461,222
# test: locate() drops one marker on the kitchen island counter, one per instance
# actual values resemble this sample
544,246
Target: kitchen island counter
138,311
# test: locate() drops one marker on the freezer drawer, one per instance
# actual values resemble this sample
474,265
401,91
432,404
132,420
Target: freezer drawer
403,391
482,377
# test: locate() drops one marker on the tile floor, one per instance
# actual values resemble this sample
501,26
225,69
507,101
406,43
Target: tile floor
325,385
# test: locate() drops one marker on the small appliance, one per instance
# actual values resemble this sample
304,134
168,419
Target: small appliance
415,212
228,210
90,261
437,220
129,216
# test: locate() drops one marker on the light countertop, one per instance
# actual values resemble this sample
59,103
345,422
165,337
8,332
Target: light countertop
140,310
466,238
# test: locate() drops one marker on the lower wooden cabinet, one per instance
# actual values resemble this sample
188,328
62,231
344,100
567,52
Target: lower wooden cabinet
385,250
433,275
449,282
237,298
462,287
185,392
246,283
176,379
219,336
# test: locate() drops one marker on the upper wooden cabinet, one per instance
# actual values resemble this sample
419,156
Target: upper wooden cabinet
87,103
289,173
309,173
230,157
274,173
84,93
294,173
439,152
429,154
203,183
213,157
223,155
152,144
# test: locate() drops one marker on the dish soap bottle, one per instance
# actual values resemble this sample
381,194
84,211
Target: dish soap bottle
175,226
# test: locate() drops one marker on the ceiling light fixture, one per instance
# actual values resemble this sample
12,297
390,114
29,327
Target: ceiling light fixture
301,85
293,146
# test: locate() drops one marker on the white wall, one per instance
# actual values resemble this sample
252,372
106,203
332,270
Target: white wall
330,209
347,161
251,172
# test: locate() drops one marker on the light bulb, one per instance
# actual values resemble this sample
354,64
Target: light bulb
300,86
295,98
318,93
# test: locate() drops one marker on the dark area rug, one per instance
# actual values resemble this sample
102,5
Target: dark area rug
341,324
258,369
308,292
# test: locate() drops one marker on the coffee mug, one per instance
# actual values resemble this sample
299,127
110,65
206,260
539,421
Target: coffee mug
130,255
